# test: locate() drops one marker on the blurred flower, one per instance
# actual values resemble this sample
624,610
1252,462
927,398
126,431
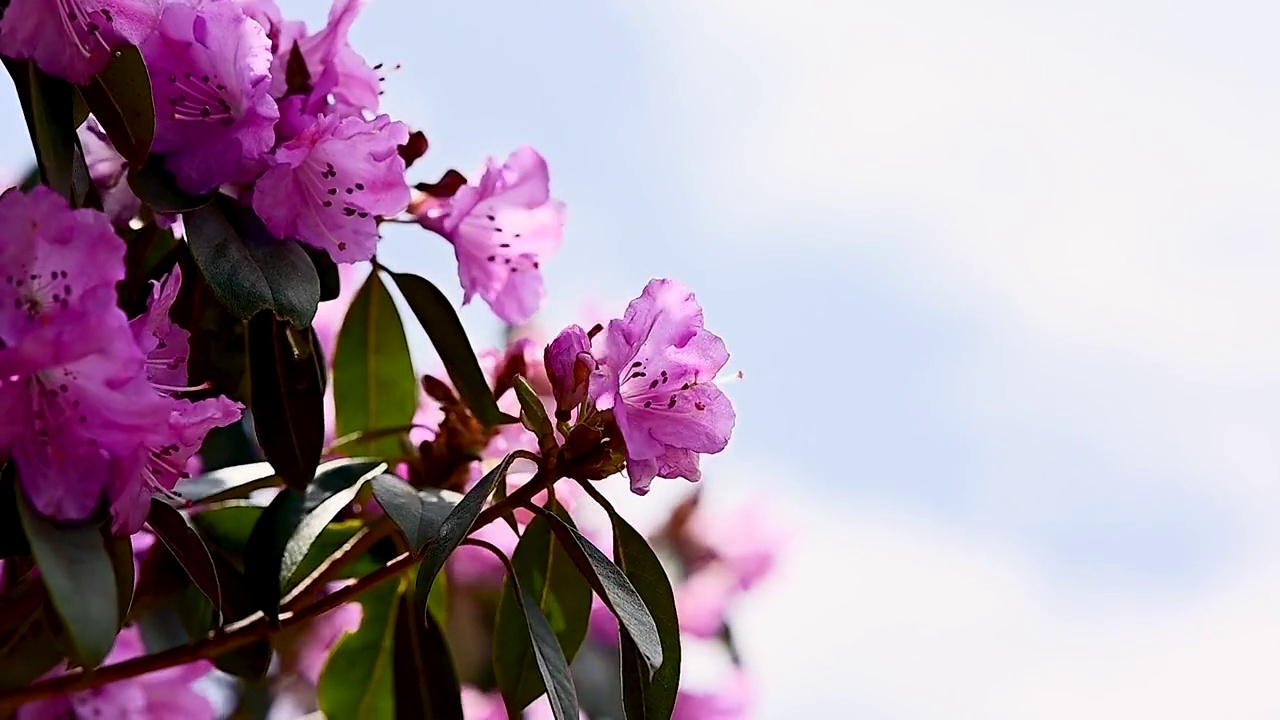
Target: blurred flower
731,701
310,648
164,694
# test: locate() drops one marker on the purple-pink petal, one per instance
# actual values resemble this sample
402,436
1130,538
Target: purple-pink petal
74,39
502,229
210,77
327,186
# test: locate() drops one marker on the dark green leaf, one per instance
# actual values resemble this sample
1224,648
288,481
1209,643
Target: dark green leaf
247,268
644,696
120,550
151,252
534,415
48,104
188,548
358,679
154,185
30,648
293,521
373,380
613,587
418,514
77,572
548,574
455,528
219,340
444,328
288,398
120,98
12,540
327,270
547,654
227,483
426,683
228,528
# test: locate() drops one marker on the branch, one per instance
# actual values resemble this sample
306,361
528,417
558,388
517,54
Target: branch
228,638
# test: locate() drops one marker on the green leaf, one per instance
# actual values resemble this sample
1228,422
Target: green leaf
226,483
120,550
358,679
612,585
373,381
445,330
154,185
187,547
247,268
48,104
644,696
455,528
327,270
547,655
120,98
563,595
78,574
228,528
30,647
291,524
426,683
287,398
219,340
12,540
533,414
418,514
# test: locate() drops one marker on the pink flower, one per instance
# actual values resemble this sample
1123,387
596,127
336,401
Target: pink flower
321,636
501,231
169,447
74,39
657,376
336,69
209,65
745,541
328,186
569,365
161,695
703,600
732,701
75,404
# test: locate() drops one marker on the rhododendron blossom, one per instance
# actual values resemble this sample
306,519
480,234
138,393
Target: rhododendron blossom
328,186
502,229
75,404
657,376
74,39
161,314
209,65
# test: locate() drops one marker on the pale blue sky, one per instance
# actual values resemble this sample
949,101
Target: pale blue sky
1001,279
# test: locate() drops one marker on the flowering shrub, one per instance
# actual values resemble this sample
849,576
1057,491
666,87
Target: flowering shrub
217,453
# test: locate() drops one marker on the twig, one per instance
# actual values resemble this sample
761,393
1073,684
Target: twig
220,641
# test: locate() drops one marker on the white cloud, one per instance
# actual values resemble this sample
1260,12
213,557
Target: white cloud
878,614
1103,172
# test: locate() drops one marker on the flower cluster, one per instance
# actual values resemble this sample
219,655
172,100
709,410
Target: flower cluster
96,412
269,134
